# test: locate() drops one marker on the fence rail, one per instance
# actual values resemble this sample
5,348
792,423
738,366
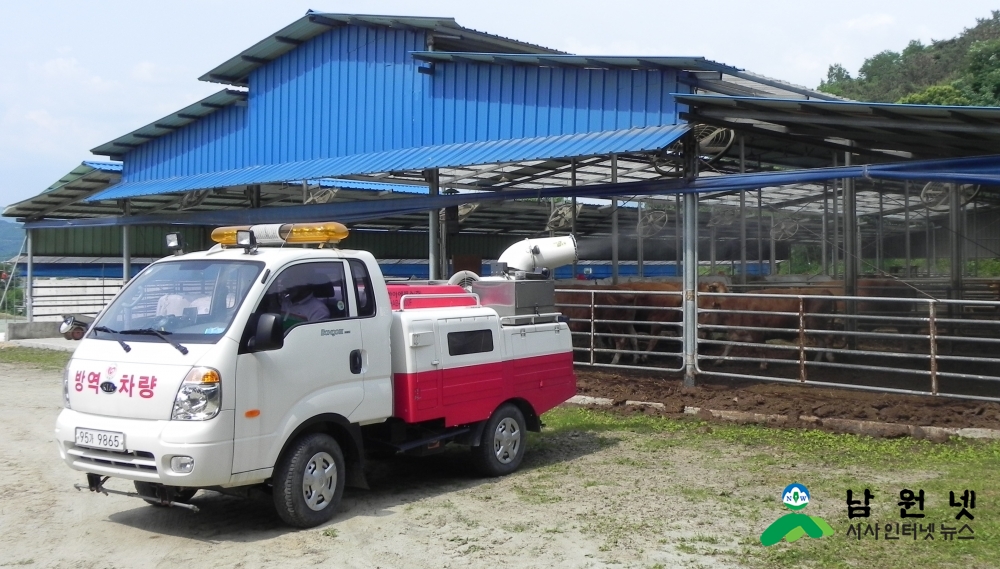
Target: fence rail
899,345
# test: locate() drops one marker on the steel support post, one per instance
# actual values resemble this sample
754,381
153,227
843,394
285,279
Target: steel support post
572,227
690,287
850,253
825,261
678,234
640,271
29,287
880,234
771,260
906,221
955,221
433,230
614,222
928,240
760,231
835,243
743,217
126,247
711,251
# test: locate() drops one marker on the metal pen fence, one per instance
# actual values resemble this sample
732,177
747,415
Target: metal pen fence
912,345
626,329
908,345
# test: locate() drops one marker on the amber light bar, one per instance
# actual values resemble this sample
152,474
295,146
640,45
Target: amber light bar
280,233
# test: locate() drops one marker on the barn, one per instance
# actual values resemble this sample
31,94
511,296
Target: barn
440,145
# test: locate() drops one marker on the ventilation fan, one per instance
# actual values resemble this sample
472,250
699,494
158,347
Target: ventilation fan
651,222
320,195
193,199
785,229
562,216
465,210
713,142
723,216
935,195
463,279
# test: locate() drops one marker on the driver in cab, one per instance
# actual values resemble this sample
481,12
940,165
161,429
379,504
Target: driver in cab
298,302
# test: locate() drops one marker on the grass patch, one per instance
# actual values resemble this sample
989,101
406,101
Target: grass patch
34,357
330,532
828,464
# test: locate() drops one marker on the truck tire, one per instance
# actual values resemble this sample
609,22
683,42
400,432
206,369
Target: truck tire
309,481
155,491
503,444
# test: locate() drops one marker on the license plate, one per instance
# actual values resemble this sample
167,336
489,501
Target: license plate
106,440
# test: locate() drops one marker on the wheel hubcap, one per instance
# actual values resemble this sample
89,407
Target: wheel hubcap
507,440
319,481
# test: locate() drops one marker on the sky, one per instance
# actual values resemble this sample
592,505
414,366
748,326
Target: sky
78,74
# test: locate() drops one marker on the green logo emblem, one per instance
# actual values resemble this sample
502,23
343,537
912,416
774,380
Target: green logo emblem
791,527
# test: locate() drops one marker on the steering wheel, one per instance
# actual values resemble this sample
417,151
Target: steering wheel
134,299
166,322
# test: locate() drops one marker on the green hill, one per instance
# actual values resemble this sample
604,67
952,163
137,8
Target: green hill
11,238
964,70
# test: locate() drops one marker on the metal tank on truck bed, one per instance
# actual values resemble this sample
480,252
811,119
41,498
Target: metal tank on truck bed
258,367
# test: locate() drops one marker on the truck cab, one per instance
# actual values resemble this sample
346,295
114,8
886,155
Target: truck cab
258,365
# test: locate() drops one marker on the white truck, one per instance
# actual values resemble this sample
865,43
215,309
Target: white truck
260,365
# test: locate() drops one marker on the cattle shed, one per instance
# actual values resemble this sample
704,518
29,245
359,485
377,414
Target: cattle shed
440,145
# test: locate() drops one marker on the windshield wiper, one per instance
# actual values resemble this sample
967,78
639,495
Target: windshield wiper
161,335
124,346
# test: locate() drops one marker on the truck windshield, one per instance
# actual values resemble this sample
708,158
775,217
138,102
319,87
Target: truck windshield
193,301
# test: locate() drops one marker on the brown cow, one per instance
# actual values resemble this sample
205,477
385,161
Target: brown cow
748,311
661,312
607,307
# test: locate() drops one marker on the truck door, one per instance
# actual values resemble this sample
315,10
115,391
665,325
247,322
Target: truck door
374,321
318,370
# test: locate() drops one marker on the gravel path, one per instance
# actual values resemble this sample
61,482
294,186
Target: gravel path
580,500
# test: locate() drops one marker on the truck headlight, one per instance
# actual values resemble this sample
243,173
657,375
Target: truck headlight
66,386
199,397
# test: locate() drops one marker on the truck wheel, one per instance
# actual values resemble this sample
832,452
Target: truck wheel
309,481
502,447
173,494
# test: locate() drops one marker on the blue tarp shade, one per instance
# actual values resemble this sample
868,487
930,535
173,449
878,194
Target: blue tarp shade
980,170
440,156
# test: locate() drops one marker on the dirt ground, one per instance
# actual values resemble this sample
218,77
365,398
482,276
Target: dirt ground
783,399
579,500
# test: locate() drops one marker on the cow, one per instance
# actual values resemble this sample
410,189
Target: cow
613,306
661,312
874,292
781,315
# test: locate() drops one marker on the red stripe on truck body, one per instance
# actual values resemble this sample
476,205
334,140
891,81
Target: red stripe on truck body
471,393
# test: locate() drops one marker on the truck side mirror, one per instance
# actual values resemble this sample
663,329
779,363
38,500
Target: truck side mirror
270,333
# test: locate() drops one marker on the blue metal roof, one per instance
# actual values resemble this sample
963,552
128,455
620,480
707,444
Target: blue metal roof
170,123
583,61
366,185
104,166
446,32
439,156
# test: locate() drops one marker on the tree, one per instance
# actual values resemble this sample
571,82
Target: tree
937,95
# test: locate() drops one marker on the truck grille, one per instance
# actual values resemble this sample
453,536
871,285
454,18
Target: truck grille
134,461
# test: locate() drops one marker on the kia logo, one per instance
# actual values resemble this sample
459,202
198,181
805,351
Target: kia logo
108,387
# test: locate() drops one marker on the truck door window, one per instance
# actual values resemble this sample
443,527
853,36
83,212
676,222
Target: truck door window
470,342
310,292
363,292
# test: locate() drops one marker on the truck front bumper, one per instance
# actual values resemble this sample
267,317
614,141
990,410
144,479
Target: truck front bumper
150,446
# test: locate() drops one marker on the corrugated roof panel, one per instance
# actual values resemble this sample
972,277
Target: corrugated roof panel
237,70
220,141
440,156
582,61
170,123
